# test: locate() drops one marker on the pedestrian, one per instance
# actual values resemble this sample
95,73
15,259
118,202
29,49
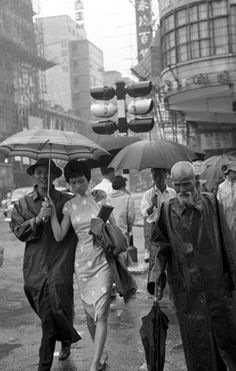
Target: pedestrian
48,264
226,195
105,185
92,271
151,203
192,241
123,203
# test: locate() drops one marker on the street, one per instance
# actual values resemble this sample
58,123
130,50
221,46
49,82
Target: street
20,327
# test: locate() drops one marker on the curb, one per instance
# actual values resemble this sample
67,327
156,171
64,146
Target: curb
139,269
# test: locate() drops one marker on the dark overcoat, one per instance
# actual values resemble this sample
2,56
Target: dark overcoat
46,261
196,247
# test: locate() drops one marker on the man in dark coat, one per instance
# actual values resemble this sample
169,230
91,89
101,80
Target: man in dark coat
48,265
193,242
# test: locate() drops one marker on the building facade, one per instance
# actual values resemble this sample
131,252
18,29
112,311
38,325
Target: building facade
79,66
22,66
198,59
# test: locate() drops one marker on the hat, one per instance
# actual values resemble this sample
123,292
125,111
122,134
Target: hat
230,166
119,182
45,162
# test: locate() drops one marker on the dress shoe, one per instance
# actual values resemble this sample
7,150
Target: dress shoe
65,350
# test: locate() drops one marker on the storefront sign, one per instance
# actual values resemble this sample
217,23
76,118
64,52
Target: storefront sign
143,26
216,140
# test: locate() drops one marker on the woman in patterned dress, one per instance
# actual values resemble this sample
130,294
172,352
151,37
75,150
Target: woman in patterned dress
92,272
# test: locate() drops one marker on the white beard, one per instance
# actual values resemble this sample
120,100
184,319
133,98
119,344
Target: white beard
186,199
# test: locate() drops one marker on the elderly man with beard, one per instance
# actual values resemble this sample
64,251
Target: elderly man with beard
192,241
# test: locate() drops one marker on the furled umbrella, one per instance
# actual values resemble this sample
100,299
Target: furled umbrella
152,154
212,169
153,334
57,144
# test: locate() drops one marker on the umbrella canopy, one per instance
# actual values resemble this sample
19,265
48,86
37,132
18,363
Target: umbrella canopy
153,334
212,169
113,144
63,145
152,154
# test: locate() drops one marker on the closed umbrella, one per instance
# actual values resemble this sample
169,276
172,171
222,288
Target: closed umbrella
152,154
153,334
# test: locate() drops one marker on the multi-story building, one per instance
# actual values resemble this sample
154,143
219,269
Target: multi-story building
198,51
79,66
22,66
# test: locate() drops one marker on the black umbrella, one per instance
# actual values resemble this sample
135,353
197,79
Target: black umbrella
153,334
113,144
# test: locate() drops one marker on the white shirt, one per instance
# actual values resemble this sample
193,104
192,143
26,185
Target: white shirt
161,197
105,185
226,195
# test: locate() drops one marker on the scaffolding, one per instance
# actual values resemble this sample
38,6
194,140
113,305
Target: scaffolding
22,63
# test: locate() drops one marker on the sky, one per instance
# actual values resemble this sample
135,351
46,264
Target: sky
110,25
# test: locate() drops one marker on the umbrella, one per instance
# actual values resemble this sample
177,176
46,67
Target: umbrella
63,145
152,154
153,334
113,144
212,169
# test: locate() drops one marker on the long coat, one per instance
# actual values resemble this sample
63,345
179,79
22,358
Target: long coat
46,261
196,247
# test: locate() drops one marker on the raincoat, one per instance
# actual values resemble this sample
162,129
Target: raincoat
46,261
196,247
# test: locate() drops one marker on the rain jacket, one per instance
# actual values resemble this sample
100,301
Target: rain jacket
196,247
125,284
46,261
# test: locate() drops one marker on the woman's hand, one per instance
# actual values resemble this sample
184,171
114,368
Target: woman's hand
99,196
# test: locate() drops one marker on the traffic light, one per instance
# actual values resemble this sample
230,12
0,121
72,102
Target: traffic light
141,125
103,109
140,106
104,127
103,92
135,107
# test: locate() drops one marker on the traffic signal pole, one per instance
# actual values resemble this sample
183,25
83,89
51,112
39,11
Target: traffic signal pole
121,107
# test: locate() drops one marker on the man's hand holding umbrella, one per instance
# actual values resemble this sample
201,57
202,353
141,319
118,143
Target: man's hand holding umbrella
45,211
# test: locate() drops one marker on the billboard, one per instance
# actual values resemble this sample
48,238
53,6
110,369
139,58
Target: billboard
143,9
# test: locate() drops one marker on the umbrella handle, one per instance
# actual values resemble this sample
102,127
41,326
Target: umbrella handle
49,168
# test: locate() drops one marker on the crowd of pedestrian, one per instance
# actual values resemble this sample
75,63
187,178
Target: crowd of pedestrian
189,243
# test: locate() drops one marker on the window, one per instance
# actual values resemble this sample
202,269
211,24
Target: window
200,30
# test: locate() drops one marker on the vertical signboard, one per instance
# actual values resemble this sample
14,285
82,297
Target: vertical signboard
143,10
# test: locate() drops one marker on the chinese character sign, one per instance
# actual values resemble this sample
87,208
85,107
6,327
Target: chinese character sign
143,26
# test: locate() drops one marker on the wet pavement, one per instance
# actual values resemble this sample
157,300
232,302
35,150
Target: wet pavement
20,330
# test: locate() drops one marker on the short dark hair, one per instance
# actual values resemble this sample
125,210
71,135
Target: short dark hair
76,168
107,170
119,182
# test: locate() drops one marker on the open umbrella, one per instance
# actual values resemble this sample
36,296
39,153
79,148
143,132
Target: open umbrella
63,145
153,334
40,143
212,169
152,154
113,144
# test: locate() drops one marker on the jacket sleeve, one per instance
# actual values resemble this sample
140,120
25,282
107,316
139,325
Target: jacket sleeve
159,253
24,228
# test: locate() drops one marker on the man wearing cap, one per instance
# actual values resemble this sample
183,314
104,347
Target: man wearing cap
226,195
48,265
192,241
151,204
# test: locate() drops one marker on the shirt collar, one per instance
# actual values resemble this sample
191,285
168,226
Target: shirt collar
36,194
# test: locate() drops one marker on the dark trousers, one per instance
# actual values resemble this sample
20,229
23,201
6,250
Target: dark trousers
49,332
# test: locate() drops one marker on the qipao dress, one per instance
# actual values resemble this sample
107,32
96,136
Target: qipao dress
92,271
